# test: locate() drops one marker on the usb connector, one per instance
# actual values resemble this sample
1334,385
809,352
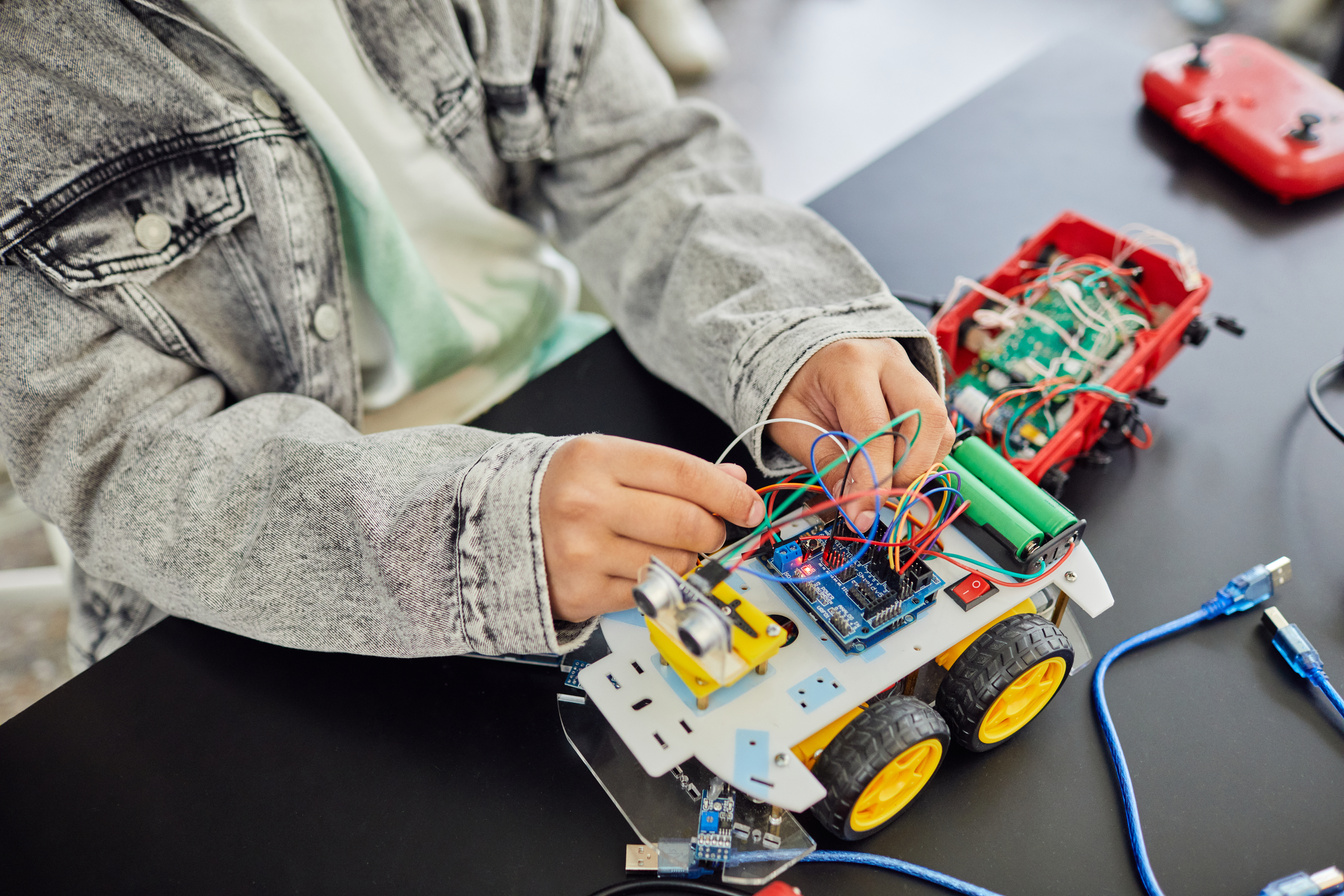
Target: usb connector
1280,571
1255,585
1322,883
1330,880
1291,644
639,857
1294,647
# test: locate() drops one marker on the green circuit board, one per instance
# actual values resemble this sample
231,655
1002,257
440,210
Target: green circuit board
1029,351
1051,341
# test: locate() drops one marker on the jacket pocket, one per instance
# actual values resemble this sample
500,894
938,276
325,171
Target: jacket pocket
141,225
109,245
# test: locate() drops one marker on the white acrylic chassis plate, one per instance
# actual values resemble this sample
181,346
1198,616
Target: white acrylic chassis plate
746,733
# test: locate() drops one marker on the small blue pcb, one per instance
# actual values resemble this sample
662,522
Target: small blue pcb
572,679
713,839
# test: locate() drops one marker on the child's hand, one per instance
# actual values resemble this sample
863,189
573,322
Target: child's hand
609,503
857,386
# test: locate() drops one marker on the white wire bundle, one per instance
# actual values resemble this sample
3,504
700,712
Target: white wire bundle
1133,237
1115,326
1104,315
1013,312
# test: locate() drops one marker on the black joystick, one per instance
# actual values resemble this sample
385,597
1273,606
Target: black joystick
1198,60
1305,133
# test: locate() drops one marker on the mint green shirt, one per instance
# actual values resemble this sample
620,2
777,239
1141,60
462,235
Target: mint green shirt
445,285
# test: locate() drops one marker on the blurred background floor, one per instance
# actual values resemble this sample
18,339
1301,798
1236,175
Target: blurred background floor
32,619
821,87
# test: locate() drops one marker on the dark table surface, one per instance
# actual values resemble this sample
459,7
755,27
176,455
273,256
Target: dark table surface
197,761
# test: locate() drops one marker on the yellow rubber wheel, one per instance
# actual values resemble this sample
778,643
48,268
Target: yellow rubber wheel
1025,697
1003,680
896,785
877,764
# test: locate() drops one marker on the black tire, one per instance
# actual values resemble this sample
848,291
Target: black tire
991,665
865,747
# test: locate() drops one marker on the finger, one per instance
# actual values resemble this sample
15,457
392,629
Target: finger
864,519
908,389
655,468
734,470
932,442
627,557
797,438
832,455
864,411
857,389
948,439
665,521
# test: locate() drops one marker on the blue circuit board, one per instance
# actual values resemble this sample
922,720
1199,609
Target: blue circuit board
859,605
572,679
714,834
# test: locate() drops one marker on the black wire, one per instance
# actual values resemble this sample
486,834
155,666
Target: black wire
1314,395
664,886
895,443
828,548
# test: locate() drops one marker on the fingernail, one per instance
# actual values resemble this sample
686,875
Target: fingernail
864,520
756,514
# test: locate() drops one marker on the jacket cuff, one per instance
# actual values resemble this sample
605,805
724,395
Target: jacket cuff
769,358
505,603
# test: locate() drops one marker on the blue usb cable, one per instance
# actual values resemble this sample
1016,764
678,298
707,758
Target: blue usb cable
1294,647
1245,591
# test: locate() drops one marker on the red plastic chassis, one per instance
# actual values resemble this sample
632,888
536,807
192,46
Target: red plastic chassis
1154,349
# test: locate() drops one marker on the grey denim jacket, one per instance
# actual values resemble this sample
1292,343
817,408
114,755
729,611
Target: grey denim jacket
168,401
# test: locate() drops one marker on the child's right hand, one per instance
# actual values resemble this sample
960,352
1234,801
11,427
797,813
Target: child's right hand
608,503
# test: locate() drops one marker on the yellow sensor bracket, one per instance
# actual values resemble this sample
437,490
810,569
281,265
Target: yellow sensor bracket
704,628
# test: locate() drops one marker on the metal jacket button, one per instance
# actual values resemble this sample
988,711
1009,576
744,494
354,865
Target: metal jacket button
265,103
326,322
153,231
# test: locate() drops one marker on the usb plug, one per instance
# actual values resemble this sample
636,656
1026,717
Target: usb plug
1326,881
1291,644
1250,588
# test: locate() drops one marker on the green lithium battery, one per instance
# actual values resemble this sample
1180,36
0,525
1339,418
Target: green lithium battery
989,510
1025,496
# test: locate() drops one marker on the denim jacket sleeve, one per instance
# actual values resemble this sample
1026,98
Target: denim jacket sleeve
170,409
271,516
718,289
212,469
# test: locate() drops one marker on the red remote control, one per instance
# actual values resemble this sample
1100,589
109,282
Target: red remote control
1267,116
